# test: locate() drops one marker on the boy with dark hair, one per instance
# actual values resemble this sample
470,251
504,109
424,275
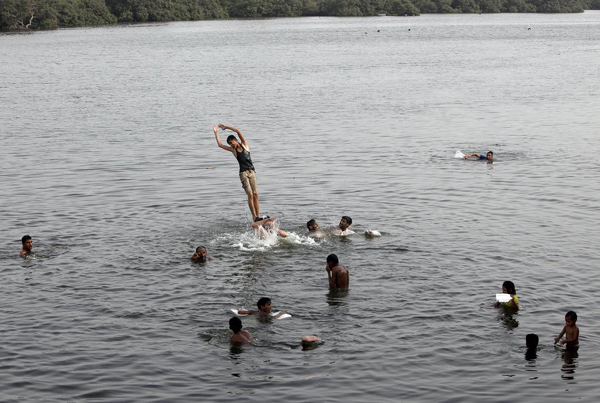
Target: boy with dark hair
239,336
343,229
531,341
312,225
570,331
27,245
241,152
201,255
264,309
336,273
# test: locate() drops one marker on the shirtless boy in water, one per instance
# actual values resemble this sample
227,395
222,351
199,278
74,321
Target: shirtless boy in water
338,275
263,226
571,331
239,336
27,243
264,309
343,229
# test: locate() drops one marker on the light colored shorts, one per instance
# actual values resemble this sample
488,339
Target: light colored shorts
249,183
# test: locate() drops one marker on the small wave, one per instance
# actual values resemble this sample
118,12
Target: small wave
249,242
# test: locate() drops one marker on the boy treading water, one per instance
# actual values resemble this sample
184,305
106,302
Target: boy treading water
570,331
239,336
508,287
531,341
264,309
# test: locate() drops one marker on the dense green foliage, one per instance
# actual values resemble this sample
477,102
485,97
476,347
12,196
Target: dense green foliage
50,14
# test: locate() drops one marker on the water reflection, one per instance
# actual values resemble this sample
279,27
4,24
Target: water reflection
531,354
336,297
508,319
570,364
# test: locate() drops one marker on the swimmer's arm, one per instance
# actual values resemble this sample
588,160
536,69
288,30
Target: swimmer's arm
560,334
467,156
259,223
219,143
282,233
246,312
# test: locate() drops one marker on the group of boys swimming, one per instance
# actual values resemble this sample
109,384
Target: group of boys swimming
338,275
570,330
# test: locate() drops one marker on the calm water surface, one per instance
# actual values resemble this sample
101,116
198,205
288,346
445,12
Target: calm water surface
108,160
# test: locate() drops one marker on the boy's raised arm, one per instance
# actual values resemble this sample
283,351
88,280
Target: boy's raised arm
237,131
245,312
219,143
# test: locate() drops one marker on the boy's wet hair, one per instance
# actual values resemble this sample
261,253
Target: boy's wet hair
532,340
235,324
510,287
571,315
310,223
230,137
25,239
201,247
348,219
332,259
262,302
490,152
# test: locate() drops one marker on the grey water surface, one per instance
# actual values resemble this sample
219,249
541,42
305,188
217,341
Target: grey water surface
107,159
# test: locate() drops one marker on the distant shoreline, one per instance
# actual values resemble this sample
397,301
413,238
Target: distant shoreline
32,15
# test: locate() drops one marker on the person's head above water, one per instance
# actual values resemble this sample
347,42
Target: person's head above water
345,222
27,243
312,225
264,304
235,324
332,260
489,156
200,255
532,340
508,287
571,315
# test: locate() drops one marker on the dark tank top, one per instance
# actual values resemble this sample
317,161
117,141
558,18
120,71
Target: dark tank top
244,160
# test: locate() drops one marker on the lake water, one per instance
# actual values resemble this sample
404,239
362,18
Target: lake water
108,160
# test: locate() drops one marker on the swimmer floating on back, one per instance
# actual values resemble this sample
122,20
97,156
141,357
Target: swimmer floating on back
241,152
